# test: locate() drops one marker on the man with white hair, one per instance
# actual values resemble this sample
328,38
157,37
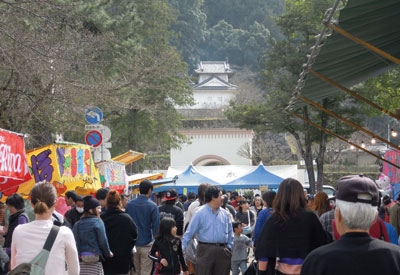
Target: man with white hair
356,252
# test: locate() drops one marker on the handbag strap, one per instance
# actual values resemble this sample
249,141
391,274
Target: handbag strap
51,238
248,215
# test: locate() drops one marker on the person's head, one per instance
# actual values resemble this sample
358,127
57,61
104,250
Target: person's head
201,190
191,196
145,187
237,228
386,200
113,200
321,203
268,198
310,200
70,198
92,207
213,196
43,198
170,196
101,195
257,202
183,198
356,203
79,204
167,228
224,200
15,203
234,195
124,200
289,199
243,206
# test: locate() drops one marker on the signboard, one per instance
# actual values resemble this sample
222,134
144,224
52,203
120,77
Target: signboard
12,155
101,154
13,164
66,166
114,173
94,138
94,115
392,172
97,127
104,130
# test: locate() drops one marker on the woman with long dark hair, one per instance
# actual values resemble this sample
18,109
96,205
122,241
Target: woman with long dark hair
121,234
290,233
246,217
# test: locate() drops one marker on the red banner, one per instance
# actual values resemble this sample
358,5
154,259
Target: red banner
388,169
13,164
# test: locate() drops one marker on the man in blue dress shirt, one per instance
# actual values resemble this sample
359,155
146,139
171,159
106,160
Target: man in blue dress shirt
212,228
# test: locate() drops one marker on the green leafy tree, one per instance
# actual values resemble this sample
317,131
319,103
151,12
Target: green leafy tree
242,14
190,29
240,46
145,72
299,24
58,58
384,90
239,30
43,47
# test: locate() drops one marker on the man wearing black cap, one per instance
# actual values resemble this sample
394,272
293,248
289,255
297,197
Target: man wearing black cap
170,210
356,252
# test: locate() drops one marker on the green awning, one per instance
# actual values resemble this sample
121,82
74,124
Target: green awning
376,23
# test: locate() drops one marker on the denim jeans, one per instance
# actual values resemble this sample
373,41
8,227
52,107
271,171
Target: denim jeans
235,266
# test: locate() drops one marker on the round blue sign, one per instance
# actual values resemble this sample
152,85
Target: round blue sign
94,138
94,115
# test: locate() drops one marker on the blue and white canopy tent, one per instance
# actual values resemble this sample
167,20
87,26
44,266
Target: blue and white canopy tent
249,177
256,178
188,181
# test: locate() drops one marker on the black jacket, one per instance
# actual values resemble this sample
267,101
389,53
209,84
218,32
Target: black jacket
353,253
294,239
174,212
172,252
12,224
71,217
121,234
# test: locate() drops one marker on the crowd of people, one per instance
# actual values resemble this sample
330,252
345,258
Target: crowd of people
211,232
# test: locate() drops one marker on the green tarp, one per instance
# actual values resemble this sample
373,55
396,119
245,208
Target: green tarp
347,63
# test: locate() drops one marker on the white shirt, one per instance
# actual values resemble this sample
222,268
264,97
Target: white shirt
28,239
191,210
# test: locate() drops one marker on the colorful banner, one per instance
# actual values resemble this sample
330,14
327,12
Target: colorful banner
114,174
13,164
392,172
66,166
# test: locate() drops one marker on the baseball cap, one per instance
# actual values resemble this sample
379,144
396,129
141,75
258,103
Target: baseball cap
170,195
351,187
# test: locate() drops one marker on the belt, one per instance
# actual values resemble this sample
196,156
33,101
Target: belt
216,244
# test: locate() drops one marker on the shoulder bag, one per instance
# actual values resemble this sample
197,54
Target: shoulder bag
38,264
